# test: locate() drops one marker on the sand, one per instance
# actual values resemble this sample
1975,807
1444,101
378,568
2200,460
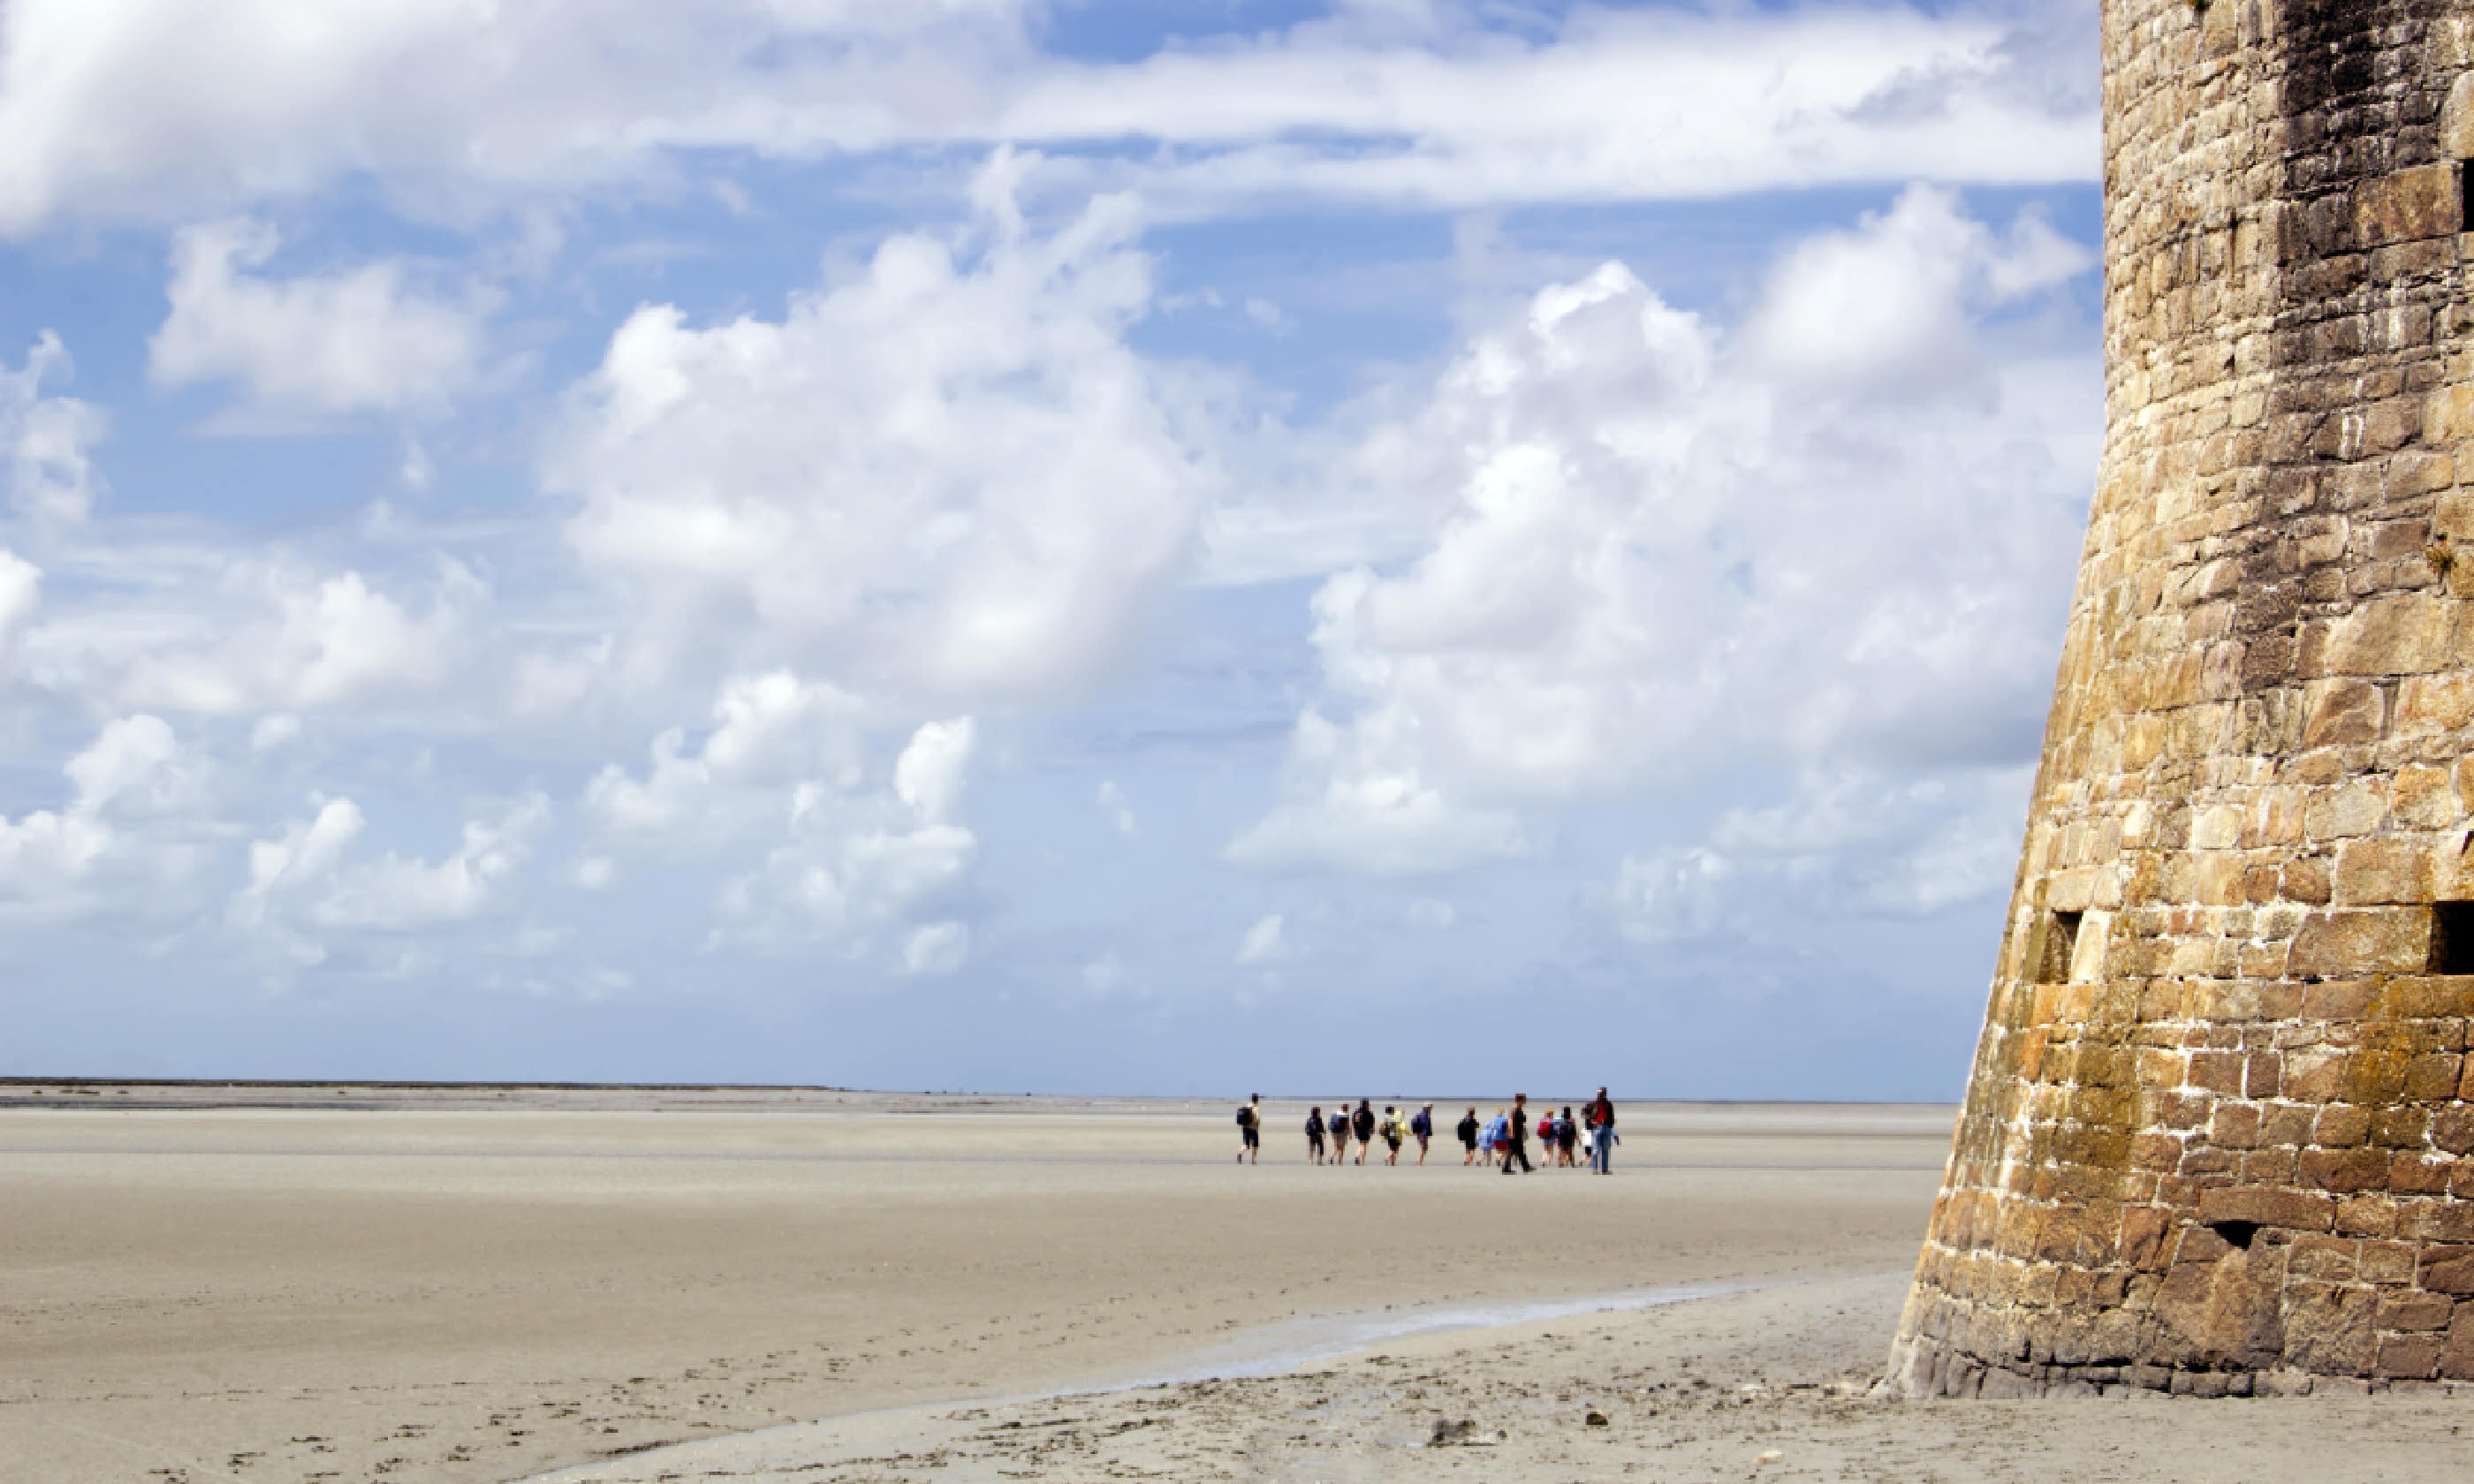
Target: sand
470,1285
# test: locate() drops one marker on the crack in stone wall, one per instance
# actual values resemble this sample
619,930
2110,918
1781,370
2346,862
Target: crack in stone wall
2226,1142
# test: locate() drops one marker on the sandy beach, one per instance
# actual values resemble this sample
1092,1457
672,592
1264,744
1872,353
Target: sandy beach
492,1285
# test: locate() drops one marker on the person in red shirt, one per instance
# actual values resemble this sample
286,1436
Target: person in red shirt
1601,1114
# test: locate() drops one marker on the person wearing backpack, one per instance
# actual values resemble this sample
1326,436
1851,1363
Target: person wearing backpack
1467,1131
1250,1126
1314,1134
1363,1119
1422,1124
1337,1126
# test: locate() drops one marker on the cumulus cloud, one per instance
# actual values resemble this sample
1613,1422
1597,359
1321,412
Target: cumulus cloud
857,861
225,634
1842,842
357,341
771,734
304,887
117,108
840,850
132,836
945,475
47,442
1678,551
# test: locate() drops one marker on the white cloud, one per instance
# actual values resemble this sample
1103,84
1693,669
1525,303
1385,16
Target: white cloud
1356,804
304,887
1842,842
772,733
133,835
21,584
1112,799
1615,105
47,442
118,109
147,108
1432,913
937,949
939,477
853,860
358,341
247,633
1264,941
1677,552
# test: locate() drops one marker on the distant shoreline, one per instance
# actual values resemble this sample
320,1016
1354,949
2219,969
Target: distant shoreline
1209,1099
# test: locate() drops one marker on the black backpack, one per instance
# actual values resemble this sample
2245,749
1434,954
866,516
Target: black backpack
1246,1116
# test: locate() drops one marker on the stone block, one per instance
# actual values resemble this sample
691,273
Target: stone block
2415,1312
2455,1276
2346,942
2409,1355
2451,1129
2345,1170
2400,633
2424,797
2297,1210
2329,1329
2456,1356
2342,710
2386,868
2383,1261
2347,810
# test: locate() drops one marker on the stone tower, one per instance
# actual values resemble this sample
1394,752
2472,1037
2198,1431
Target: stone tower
2219,1134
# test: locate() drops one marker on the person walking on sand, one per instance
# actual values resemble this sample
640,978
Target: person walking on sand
1250,1127
1568,1140
1314,1134
1467,1131
1392,1133
1496,1138
1363,1119
1337,1126
1422,1124
1602,1133
1519,1147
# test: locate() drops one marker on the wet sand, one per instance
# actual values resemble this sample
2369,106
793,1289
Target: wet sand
491,1284
456,1284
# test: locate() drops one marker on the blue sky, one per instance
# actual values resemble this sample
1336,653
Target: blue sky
1033,546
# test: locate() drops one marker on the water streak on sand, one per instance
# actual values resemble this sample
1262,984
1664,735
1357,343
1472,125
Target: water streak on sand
1273,1350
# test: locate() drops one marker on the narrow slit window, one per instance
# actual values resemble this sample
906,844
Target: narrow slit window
2464,208
2452,937
2061,941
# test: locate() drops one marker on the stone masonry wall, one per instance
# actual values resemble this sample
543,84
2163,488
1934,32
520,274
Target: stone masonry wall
2219,1134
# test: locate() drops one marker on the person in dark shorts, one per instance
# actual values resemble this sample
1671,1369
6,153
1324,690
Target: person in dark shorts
1364,1126
1337,1126
1568,1139
1467,1131
1313,1134
1422,1123
1393,1134
1518,1149
1250,1124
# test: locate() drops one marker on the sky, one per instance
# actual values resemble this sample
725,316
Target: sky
1190,546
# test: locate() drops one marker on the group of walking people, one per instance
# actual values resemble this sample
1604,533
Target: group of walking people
1500,1142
